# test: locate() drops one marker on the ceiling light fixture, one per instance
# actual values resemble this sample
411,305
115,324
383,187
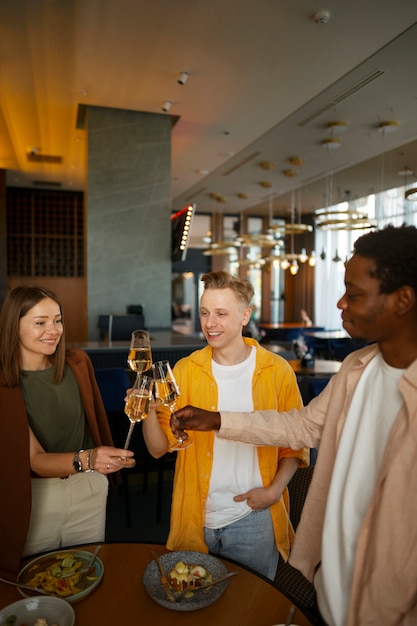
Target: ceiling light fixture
331,143
337,127
166,106
342,219
296,161
294,267
267,165
411,194
220,248
217,246
183,78
257,240
218,197
290,259
388,126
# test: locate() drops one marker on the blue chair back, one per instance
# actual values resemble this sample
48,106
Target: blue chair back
113,382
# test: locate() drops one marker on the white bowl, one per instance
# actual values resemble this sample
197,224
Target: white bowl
54,610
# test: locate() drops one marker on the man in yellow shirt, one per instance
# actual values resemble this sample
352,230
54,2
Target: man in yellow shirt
230,498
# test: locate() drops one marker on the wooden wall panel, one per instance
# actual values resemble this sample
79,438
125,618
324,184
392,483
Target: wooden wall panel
73,293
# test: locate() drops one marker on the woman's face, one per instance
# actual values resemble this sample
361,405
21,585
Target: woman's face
40,331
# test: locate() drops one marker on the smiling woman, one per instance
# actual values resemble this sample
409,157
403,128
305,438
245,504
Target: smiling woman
53,426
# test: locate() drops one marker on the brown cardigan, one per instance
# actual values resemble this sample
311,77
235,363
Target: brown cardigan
15,477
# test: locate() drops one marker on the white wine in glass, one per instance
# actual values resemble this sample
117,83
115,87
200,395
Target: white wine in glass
140,354
166,392
137,403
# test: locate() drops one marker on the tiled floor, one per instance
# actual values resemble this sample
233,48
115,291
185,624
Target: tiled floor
144,526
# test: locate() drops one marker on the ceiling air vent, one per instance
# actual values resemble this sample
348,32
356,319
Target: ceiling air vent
340,97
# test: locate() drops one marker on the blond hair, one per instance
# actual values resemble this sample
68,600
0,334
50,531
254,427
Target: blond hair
242,289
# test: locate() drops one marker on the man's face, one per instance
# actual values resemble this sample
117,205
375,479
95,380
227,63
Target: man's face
222,317
366,313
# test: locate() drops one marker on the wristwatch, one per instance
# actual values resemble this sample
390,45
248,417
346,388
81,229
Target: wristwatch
76,463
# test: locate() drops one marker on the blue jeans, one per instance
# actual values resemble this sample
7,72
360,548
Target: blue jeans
249,541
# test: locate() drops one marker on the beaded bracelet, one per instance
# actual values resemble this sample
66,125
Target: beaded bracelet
89,468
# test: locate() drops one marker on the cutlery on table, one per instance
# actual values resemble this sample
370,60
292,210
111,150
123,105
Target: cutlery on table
290,615
164,579
22,586
193,588
87,568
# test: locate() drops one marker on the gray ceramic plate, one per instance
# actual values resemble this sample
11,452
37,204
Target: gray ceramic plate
199,599
42,562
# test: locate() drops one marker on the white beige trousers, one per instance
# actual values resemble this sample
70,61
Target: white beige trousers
67,512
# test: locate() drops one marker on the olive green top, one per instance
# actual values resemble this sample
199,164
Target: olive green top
56,414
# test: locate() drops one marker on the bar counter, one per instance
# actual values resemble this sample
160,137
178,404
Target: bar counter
166,345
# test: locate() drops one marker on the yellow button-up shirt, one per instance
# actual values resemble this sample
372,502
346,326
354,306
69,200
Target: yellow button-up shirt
274,386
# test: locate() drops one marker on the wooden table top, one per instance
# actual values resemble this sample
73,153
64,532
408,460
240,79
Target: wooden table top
327,334
286,325
321,367
121,598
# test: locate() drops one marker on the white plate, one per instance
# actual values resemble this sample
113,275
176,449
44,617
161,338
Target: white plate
199,599
54,610
42,562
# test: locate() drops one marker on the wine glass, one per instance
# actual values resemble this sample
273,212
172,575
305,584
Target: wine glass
140,354
166,392
137,403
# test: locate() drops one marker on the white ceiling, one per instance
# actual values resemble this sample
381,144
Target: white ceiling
264,81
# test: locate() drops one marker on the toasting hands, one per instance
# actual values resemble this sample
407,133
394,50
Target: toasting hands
192,418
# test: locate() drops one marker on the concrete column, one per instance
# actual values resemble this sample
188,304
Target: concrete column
128,204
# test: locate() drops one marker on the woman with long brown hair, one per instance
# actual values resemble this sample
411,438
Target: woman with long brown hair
56,443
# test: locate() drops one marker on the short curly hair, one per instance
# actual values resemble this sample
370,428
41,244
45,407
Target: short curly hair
394,250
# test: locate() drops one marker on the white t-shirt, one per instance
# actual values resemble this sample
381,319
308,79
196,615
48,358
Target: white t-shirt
375,404
235,465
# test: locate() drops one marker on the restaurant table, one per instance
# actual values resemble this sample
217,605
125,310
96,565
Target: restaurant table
121,598
328,336
285,331
321,367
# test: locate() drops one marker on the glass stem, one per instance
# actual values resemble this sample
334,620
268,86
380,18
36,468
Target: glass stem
129,434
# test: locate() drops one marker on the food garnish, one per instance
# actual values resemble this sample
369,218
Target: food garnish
188,576
60,577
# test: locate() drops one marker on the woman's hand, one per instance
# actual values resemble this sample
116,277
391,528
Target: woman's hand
107,459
